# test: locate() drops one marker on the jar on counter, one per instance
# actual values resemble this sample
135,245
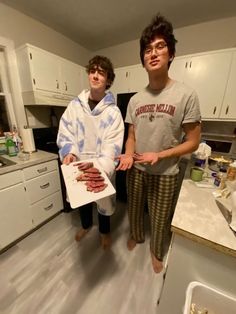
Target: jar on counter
231,172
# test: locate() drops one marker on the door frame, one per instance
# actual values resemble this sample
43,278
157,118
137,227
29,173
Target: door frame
17,112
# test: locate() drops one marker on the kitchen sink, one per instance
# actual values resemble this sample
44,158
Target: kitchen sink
4,162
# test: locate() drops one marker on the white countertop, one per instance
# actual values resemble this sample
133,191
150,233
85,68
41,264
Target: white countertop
198,217
35,158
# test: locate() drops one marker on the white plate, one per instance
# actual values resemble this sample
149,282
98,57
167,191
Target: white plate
77,190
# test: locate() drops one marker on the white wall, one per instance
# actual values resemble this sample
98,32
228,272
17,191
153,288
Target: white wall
218,34
23,29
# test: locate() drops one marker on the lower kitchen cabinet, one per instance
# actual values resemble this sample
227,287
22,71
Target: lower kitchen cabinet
191,261
46,208
43,188
28,198
15,215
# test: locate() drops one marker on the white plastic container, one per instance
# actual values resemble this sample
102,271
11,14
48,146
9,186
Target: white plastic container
215,301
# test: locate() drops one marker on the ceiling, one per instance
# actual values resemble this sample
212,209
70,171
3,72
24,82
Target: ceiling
97,24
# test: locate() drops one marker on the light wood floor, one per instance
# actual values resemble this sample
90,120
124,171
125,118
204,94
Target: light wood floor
48,272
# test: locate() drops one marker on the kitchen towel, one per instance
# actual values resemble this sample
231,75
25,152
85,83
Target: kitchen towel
28,140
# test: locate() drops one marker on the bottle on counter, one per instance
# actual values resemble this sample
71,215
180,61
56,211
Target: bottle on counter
11,147
220,180
231,172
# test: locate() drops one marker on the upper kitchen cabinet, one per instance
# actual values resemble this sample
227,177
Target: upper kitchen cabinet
228,110
129,79
120,84
207,74
47,78
178,68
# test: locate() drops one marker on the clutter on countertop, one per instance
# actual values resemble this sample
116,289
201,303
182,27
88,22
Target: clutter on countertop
201,154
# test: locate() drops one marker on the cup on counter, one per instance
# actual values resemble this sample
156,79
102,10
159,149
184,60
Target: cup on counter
196,174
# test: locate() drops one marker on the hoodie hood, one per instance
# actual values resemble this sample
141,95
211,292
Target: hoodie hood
108,100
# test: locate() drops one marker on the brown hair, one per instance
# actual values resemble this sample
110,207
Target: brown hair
105,64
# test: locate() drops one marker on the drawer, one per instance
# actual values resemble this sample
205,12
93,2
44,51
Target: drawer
39,169
10,178
43,186
46,208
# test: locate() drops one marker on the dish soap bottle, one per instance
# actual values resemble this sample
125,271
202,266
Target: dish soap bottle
11,147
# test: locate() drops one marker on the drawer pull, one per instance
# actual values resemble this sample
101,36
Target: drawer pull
44,186
49,207
214,110
42,169
227,110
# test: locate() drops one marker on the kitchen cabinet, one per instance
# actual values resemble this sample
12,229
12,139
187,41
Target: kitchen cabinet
203,242
43,188
228,110
129,79
15,216
207,74
29,197
42,71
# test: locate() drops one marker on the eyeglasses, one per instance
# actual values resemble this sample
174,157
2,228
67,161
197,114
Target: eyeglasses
159,48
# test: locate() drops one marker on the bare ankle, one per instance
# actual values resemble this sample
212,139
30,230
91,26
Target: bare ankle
105,241
156,264
81,233
131,243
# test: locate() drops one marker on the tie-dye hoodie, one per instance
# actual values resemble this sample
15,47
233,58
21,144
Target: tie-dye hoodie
92,134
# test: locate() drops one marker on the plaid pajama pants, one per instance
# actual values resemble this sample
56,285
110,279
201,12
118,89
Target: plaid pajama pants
159,191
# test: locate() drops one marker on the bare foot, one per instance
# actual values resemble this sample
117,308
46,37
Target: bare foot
81,233
105,241
131,243
156,264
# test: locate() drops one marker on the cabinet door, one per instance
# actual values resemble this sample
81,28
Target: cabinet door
177,68
121,82
207,74
138,78
228,110
15,217
71,78
45,70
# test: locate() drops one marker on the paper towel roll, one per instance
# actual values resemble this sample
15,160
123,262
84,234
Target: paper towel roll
28,140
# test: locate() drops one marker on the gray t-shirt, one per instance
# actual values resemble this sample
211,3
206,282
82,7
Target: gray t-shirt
158,118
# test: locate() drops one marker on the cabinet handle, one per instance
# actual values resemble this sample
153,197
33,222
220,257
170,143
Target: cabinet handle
42,170
214,111
34,81
126,74
57,84
65,86
190,64
44,186
186,64
227,110
49,207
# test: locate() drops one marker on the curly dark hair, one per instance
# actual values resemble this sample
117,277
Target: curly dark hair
105,64
159,27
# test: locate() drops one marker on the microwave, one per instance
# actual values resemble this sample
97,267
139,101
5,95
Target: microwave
222,144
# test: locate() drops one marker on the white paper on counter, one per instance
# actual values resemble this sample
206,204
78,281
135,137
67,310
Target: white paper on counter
77,191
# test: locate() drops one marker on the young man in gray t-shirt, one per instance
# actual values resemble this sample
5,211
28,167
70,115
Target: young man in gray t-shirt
157,116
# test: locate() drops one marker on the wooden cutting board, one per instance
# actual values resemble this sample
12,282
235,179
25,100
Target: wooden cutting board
77,191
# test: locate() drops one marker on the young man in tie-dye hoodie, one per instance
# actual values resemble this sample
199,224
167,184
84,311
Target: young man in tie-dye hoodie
92,127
